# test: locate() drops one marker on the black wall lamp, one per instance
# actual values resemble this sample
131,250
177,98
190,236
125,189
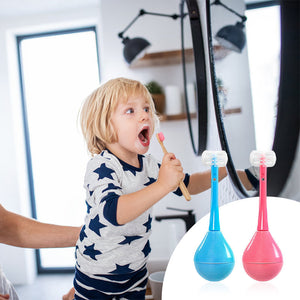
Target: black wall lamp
232,36
136,47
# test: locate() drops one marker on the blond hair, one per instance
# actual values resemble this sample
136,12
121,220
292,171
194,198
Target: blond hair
96,112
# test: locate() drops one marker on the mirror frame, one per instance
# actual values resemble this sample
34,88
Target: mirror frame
287,128
198,143
287,123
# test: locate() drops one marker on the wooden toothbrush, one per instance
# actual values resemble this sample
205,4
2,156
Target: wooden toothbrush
160,137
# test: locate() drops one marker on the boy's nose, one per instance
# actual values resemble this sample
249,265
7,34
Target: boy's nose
144,115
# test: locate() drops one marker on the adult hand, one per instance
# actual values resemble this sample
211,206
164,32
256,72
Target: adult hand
68,296
5,297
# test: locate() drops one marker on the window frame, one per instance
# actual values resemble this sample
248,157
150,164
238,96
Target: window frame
19,39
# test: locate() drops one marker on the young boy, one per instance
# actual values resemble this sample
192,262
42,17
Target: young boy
122,183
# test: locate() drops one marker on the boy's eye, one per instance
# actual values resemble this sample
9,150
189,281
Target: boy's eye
147,109
129,111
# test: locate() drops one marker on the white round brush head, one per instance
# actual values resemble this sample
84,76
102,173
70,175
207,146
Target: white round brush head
267,158
217,158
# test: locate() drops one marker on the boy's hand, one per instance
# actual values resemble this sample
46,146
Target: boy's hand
171,172
4,297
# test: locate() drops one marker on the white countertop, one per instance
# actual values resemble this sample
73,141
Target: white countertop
238,222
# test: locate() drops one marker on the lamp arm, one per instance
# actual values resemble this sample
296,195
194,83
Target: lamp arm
174,16
130,24
218,2
143,12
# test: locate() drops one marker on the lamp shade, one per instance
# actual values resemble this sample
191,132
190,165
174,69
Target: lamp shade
232,37
134,48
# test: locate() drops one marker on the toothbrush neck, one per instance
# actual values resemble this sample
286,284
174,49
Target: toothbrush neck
214,223
263,216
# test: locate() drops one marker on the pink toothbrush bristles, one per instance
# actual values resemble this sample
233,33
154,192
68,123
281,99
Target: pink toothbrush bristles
161,136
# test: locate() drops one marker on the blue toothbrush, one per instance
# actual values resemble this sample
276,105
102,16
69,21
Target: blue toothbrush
214,259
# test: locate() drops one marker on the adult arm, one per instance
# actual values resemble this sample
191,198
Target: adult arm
20,231
200,182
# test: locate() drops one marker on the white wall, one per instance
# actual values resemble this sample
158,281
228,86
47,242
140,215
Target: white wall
163,34
111,16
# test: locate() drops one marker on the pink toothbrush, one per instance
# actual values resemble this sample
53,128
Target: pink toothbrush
262,259
160,137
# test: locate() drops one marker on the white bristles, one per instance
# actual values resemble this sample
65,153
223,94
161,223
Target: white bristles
258,158
218,158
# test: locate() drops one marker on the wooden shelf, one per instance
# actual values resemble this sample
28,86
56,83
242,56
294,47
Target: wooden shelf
230,111
182,116
162,58
173,57
220,52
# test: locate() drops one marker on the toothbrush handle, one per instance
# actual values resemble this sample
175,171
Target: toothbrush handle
263,215
184,191
162,146
182,186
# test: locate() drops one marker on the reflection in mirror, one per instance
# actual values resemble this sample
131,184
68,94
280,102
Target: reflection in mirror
231,37
232,91
253,128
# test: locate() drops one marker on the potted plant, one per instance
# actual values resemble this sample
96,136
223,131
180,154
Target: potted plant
158,96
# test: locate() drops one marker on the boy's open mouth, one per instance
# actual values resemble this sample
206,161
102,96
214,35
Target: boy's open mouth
144,137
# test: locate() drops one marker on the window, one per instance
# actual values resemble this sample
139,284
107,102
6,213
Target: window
58,70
